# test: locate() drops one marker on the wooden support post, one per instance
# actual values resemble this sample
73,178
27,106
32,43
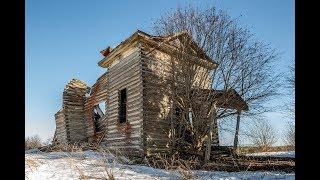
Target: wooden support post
236,135
209,142
172,127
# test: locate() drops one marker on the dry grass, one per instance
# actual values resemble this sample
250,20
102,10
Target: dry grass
175,163
76,147
106,167
250,149
109,171
33,164
221,163
74,165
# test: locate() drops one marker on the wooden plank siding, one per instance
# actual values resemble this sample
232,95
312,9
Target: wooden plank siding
98,93
70,121
143,68
125,73
60,132
73,108
156,105
157,73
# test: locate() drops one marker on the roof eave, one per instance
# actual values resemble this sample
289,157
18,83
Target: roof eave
103,62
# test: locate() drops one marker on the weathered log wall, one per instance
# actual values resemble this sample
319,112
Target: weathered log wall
125,73
60,132
156,105
157,76
70,121
73,108
98,94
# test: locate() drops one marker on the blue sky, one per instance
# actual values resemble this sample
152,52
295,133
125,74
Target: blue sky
63,40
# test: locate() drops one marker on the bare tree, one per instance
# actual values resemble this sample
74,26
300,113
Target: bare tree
186,81
290,85
290,134
291,78
262,134
244,65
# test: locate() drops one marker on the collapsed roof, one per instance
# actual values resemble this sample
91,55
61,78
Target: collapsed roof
110,54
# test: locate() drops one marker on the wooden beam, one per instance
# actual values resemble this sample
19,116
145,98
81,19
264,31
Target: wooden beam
209,141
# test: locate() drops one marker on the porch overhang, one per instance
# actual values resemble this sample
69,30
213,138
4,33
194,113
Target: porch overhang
228,99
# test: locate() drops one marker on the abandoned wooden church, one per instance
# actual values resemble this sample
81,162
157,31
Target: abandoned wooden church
137,104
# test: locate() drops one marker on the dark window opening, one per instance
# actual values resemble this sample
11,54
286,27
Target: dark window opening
96,116
123,106
178,112
189,136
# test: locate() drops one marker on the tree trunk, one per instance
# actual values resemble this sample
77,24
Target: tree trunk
208,148
236,135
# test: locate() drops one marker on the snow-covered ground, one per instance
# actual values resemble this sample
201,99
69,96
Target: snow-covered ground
275,154
94,165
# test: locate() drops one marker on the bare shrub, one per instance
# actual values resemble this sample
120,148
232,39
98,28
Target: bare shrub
32,142
262,134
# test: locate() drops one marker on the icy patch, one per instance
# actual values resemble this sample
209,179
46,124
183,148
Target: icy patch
32,151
